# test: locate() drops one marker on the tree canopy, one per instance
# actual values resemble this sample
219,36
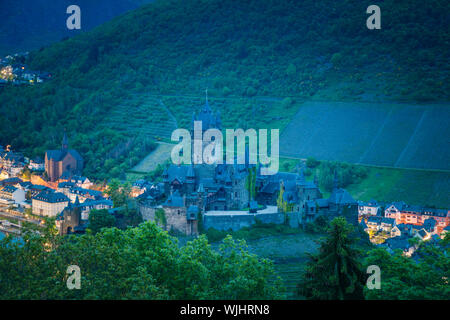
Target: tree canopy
136,263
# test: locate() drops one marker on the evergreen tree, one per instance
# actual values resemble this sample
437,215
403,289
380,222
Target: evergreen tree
335,272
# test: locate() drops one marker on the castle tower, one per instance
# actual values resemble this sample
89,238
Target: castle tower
190,180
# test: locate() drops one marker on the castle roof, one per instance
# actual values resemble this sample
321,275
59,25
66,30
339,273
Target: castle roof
192,213
174,200
340,196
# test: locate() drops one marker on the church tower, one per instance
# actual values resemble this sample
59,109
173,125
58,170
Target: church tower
65,142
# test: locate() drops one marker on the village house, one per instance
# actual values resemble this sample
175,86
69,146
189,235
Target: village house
374,223
49,203
64,161
387,224
399,243
81,182
35,189
444,232
10,181
36,164
12,163
74,217
10,195
371,208
416,215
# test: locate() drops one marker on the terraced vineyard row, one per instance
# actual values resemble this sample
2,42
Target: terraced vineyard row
142,115
391,135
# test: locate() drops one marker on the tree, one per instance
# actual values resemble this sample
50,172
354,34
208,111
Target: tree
424,277
99,219
119,193
136,263
335,272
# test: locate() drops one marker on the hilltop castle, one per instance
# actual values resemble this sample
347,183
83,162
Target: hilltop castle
224,189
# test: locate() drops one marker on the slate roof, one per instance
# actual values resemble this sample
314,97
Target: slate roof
174,200
58,155
422,233
429,224
208,119
363,224
192,213
82,191
390,221
9,189
398,243
10,181
177,172
63,185
340,196
374,219
51,197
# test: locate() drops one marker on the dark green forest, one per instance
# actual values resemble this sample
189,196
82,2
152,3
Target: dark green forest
276,49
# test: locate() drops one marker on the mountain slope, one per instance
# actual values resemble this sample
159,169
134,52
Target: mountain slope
26,25
245,49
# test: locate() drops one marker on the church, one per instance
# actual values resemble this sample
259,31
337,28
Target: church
64,161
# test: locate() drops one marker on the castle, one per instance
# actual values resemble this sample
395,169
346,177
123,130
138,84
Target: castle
193,190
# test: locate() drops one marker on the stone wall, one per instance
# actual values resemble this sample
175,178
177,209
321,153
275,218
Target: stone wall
237,221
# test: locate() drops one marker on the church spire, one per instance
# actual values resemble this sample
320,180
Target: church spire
65,141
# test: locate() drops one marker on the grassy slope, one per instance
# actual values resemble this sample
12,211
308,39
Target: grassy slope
420,187
429,188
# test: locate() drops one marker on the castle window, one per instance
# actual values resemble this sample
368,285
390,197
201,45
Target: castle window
179,212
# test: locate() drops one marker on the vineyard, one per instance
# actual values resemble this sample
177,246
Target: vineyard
385,134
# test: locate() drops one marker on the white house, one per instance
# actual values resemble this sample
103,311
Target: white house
10,195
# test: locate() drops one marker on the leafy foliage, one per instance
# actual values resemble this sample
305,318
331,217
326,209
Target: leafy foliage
403,278
99,219
246,49
137,263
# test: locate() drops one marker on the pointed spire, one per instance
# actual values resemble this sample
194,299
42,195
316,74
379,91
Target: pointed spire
65,141
206,108
190,173
201,189
77,202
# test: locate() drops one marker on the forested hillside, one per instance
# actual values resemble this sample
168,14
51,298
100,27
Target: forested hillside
26,25
238,49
